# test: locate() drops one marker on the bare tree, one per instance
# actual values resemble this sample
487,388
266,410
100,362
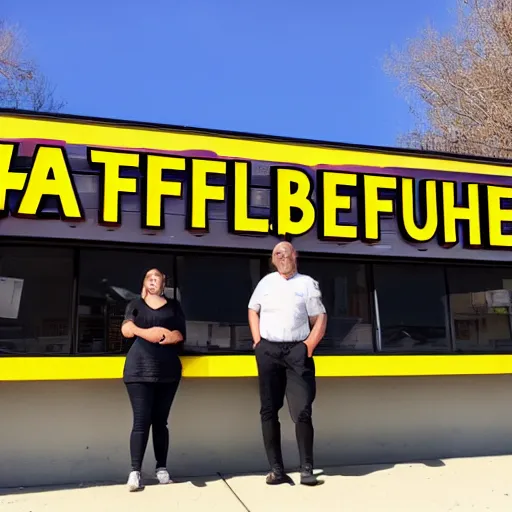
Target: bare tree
459,85
22,85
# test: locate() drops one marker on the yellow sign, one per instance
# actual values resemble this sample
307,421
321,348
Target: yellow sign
424,207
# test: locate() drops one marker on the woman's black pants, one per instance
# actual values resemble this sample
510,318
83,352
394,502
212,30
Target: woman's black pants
151,403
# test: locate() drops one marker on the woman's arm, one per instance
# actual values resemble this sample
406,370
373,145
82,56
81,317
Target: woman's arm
178,334
129,329
153,334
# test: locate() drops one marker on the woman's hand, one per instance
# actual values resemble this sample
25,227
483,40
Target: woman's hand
159,335
171,337
156,334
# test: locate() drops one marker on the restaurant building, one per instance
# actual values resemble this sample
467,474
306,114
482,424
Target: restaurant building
412,251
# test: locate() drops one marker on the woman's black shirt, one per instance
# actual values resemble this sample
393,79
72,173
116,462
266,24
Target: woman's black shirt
152,362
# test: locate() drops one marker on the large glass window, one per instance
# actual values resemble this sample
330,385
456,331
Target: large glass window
345,296
480,302
36,287
412,307
109,279
418,307
215,292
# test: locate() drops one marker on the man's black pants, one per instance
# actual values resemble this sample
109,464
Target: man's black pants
286,369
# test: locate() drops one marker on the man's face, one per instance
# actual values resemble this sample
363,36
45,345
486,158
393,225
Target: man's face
284,258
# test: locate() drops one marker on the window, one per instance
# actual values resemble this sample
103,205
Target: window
109,280
480,303
345,296
36,287
412,309
215,292
48,302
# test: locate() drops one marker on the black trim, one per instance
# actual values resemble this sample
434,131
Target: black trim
449,309
175,282
156,247
370,288
75,299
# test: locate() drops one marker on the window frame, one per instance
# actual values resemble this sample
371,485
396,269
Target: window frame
480,267
230,254
447,311
79,250
263,255
368,277
13,243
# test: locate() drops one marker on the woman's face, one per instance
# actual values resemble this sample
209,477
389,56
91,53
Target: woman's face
154,282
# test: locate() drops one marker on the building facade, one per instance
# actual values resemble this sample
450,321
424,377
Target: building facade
412,252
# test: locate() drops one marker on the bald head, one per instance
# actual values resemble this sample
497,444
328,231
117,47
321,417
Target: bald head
284,258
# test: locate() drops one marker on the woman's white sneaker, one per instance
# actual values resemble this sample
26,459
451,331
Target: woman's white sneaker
162,475
134,481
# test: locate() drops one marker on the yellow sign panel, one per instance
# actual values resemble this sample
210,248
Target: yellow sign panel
208,366
311,185
341,193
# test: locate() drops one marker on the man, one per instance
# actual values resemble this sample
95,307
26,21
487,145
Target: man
287,320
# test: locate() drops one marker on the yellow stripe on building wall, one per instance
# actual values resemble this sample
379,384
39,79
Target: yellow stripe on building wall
111,367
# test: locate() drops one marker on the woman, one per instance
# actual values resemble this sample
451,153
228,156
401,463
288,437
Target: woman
152,371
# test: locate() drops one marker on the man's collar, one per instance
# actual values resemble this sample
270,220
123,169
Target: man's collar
288,277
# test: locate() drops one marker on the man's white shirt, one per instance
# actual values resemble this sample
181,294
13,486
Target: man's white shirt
285,305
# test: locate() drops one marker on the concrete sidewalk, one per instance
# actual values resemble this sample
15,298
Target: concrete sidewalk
477,484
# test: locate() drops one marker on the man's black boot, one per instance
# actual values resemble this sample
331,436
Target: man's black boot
306,475
276,476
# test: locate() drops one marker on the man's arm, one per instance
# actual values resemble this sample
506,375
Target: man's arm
319,323
254,325
254,315
317,317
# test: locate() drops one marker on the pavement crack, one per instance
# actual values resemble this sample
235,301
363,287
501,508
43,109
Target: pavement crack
233,492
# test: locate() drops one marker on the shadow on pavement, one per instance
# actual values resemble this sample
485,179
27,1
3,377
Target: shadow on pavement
8,491
349,471
368,469
148,482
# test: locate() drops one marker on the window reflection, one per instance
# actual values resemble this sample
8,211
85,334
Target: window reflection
36,301
345,296
109,280
36,286
480,302
215,291
412,306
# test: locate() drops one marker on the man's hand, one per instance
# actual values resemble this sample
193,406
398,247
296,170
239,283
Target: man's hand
254,325
309,348
319,324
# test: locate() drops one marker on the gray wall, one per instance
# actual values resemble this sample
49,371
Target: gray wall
60,432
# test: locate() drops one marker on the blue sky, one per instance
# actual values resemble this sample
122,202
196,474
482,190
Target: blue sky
280,67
